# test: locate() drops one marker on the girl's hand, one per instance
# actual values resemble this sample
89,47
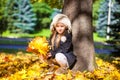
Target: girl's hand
49,55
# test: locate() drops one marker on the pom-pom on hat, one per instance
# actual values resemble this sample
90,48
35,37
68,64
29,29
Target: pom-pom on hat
62,19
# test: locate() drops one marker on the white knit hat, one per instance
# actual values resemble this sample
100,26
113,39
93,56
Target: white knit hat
62,19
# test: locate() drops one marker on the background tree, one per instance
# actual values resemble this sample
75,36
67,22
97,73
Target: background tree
53,4
43,13
114,24
80,14
3,20
95,9
20,16
59,4
103,17
115,29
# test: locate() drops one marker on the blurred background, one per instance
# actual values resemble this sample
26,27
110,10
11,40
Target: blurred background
22,20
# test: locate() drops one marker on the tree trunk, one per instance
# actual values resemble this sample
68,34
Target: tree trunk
80,14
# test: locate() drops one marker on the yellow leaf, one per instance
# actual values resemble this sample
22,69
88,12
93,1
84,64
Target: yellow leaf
39,46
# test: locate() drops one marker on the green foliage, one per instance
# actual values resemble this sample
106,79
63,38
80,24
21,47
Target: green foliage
96,6
3,20
115,30
43,12
45,22
114,24
98,39
2,7
20,15
43,32
54,3
103,17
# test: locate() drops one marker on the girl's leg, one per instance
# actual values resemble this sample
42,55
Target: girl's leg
61,60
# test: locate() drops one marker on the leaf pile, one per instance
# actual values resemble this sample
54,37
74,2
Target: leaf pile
39,46
27,66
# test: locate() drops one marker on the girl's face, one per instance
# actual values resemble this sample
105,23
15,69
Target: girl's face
60,28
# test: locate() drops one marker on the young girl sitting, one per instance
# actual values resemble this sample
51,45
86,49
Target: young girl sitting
61,42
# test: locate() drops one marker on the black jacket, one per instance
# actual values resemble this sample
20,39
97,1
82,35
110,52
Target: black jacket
66,48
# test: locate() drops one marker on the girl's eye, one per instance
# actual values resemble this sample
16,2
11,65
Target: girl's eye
57,26
61,26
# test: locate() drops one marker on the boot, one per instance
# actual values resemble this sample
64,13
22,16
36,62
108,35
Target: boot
61,70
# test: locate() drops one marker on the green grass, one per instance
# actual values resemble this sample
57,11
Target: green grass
13,42
11,50
103,56
97,38
43,32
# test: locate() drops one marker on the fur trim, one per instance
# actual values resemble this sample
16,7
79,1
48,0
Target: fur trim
63,19
63,38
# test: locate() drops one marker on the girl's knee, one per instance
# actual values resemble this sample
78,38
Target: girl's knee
61,59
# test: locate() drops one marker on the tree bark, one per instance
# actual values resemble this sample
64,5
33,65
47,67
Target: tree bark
80,14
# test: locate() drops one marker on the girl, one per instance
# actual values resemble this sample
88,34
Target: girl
61,42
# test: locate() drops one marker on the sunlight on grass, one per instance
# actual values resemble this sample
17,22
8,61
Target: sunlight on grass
97,38
43,32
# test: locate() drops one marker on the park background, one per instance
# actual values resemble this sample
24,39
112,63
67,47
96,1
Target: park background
23,20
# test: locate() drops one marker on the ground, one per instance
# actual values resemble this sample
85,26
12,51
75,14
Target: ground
27,66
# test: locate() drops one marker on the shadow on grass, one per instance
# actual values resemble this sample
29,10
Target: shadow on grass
12,51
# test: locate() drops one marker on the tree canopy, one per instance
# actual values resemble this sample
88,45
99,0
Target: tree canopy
3,20
53,3
21,14
43,12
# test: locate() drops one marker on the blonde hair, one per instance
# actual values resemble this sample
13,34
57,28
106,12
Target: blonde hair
55,37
